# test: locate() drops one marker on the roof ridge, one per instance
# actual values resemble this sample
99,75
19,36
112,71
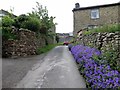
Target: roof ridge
96,6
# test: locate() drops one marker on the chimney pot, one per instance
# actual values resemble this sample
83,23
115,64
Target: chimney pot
77,5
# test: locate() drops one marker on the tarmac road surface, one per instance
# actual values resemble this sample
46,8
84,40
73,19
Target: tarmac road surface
57,70
13,70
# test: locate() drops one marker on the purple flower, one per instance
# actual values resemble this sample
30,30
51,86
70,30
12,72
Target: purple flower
98,75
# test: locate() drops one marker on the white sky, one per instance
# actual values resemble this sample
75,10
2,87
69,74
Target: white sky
61,9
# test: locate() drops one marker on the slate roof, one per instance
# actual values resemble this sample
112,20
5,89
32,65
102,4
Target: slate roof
6,13
97,6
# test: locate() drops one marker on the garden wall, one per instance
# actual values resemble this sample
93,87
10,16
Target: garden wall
103,41
25,44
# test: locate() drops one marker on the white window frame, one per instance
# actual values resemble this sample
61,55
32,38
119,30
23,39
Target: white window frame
95,14
1,15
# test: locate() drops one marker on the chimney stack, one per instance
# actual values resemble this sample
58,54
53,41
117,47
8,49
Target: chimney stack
77,5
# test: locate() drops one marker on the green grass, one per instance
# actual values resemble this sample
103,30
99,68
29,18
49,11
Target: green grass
47,48
107,28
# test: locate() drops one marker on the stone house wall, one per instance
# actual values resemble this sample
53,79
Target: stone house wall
107,15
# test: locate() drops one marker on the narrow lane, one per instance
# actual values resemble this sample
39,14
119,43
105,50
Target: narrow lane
57,71
13,70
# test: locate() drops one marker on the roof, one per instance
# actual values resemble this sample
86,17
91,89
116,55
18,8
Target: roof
6,13
98,6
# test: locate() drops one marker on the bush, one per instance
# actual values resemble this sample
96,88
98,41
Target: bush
32,24
19,20
7,33
7,21
45,48
111,57
105,28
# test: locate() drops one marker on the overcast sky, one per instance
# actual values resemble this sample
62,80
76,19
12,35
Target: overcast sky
61,9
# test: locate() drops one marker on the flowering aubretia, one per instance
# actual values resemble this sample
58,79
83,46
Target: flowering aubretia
97,75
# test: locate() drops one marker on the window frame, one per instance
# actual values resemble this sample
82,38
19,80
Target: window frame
95,11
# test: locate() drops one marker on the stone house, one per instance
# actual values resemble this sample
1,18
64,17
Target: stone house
95,16
4,13
65,37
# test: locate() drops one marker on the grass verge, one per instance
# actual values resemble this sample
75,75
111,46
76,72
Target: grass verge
46,48
107,28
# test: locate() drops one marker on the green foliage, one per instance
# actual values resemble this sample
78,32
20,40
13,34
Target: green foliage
0,23
42,14
22,18
34,14
7,21
106,28
46,48
32,24
19,20
109,57
37,21
7,33
47,22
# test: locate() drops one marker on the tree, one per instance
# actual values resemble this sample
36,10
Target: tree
42,14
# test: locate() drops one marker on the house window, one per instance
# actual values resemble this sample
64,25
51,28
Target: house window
92,26
94,14
1,15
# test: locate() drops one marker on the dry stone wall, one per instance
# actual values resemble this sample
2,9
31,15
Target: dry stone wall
25,44
103,41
